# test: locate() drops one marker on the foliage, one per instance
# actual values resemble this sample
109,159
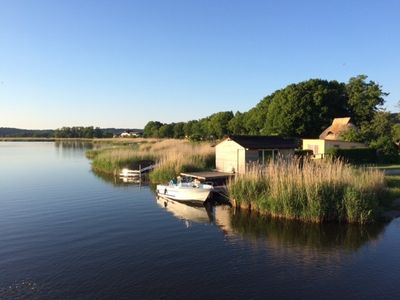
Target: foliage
151,129
170,156
363,98
354,156
306,108
78,132
303,110
15,132
378,133
236,124
396,133
310,191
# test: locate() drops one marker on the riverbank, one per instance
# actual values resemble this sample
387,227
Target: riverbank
317,192
170,156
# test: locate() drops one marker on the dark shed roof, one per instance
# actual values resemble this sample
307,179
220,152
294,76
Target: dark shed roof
264,142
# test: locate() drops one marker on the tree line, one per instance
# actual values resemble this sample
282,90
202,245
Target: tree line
81,132
301,110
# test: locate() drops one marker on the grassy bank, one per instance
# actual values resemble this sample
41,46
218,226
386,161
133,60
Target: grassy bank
393,187
170,156
316,192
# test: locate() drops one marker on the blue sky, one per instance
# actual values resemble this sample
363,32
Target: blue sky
124,63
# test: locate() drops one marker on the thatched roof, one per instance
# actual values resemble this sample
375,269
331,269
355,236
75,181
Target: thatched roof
339,126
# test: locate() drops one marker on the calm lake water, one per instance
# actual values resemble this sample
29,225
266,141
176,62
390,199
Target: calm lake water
66,233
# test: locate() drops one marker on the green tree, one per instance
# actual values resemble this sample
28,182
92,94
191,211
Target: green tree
98,133
364,98
396,133
218,124
305,109
379,134
236,124
151,129
166,131
179,130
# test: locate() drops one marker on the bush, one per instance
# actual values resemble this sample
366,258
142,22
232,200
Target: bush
354,156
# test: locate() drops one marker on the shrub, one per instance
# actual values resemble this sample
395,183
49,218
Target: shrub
354,156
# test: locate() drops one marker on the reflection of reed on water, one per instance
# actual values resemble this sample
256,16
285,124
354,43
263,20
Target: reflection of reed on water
74,144
72,148
310,235
275,233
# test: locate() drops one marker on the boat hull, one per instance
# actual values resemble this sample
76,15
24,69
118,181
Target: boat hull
184,193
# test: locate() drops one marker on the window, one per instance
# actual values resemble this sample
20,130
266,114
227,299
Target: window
264,156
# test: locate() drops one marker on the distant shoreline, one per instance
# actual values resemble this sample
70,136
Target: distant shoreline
117,140
26,139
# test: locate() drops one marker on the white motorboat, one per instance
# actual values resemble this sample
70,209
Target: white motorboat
185,191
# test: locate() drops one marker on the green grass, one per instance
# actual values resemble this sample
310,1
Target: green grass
112,159
387,167
393,190
170,156
313,192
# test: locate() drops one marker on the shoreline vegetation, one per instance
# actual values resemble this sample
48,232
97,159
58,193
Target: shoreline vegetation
323,191
170,156
299,189
311,191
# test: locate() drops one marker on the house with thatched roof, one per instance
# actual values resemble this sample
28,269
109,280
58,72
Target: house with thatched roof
338,127
235,152
331,138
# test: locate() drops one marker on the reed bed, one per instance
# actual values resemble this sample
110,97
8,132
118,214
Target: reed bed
176,156
112,160
310,191
170,156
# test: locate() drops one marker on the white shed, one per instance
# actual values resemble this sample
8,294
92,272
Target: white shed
235,152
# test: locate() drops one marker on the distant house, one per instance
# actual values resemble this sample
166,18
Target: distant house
131,134
125,134
338,127
320,147
331,138
235,152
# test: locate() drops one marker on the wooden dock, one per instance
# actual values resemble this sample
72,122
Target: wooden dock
217,179
137,173
209,176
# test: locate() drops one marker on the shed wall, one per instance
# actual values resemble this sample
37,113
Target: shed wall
229,157
317,145
320,147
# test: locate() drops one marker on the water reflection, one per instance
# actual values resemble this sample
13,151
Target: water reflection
119,180
72,148
274,233
299,234
187,212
